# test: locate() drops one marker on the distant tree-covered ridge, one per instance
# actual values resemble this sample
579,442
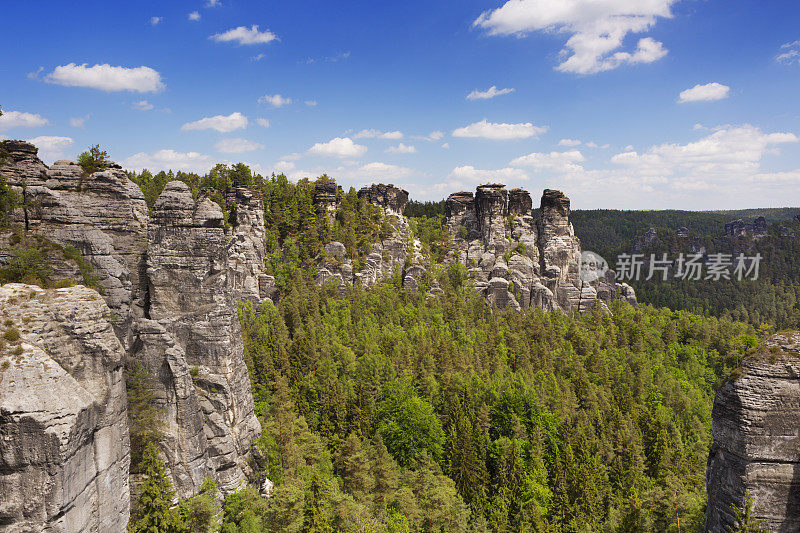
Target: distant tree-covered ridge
773,299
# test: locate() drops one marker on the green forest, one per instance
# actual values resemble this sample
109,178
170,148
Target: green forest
388,410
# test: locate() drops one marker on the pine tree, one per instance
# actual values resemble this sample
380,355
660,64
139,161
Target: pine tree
154,504
315,517
745,521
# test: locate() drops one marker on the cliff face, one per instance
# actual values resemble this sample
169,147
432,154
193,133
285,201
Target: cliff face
756,446
171,284
191,327
64,452
103,215
514,259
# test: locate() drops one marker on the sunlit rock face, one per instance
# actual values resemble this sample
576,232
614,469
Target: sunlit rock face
171,280
756,439
190,340
519,261
64,448
398,251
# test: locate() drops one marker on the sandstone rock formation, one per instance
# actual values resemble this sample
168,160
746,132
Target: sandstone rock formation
756,439
247,249
64,452
740,228
514,259
519,261
103,215
190,326
386,256
171,284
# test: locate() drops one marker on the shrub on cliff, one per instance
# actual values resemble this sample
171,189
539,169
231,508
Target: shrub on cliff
94,160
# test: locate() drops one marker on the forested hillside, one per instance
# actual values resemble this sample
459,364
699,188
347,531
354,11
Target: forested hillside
774,298
387,410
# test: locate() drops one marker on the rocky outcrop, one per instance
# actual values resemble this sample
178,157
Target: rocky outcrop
171,283
247,248
519,261
326,200
103,215
387,255
190,340
64,449
756,439
740,228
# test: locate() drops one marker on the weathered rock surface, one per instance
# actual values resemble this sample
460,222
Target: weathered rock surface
171,284
191,323
756,439
247,249
386,256
517,261
64,449
103,215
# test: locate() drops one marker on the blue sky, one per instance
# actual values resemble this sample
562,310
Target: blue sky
620,103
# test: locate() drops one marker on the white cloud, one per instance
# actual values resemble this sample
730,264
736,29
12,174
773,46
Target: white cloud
569,142
283,166
789,53
729,152
51,148
401,149
221,123
291,157
491,92
237,146
194,16
275,100
245,36
338,147
18,119
258,57
704,93
377,134
333,59
378,171
107,78
436,135
311,103
446,146
596,29
489,130
170,159
78,122
143,105
468,174
561,162
263,122
213,3
154,21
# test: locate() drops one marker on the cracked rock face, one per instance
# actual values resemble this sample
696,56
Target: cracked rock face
65,452
756,439
517,261
191,327
103,215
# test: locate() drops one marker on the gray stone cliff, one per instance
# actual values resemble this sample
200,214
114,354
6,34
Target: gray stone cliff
64,452
171,283
756,439
190,325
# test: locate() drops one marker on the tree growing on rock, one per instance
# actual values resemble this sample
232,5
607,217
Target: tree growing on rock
94,160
